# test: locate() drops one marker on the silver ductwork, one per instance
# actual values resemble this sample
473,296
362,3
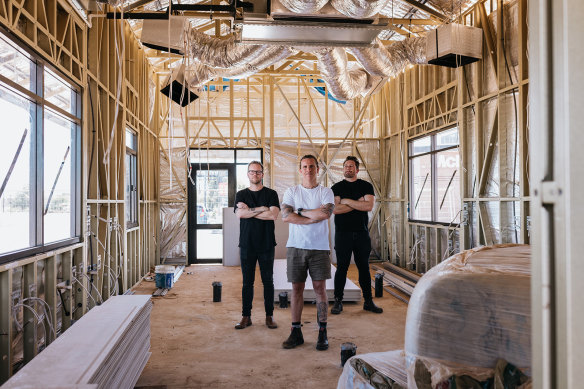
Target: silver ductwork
342,83
199,73
359,8
304,6
222,53
450,8
388,62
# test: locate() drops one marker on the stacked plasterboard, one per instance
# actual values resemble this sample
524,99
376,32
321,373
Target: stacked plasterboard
108,347
281,284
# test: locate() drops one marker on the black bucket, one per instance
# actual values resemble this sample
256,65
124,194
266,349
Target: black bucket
217,291
348,350
379,285
283,297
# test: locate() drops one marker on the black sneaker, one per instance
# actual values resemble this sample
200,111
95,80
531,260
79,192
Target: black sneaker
337,306
295,339
369,305
322,342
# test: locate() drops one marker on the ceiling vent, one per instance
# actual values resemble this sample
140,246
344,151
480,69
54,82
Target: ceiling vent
158,35
178,89
454,45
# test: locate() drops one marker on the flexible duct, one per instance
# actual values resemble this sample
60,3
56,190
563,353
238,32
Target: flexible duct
222,53
450,8
343,84
388,62
304,6
198,73
359,8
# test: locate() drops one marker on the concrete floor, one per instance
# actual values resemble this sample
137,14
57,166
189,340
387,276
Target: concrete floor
194,344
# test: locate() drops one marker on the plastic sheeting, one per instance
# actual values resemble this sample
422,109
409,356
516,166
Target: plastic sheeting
379,370
471,310
173,195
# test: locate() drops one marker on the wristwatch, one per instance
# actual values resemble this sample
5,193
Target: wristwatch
299,210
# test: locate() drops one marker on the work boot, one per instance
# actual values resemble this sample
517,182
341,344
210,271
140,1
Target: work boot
295,339
369,305
322,342
337,306
270,322
245,322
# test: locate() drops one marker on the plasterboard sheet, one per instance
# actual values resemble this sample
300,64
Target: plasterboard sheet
281,284
107,347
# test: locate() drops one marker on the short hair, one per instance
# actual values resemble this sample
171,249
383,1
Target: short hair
255,163
354,159
307,156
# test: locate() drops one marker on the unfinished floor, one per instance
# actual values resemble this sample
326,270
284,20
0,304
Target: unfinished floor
194,344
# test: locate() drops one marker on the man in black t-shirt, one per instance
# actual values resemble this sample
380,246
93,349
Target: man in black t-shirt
256,207
353,199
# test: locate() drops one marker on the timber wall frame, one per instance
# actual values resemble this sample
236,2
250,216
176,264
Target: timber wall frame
95,58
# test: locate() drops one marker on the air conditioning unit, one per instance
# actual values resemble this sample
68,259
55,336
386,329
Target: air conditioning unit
177,89
454,45
159,35
325,28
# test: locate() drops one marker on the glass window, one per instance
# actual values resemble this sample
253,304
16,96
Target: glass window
39,159
15,171
246,156
16,65
58,143
435,178
59,93
212,156
131,180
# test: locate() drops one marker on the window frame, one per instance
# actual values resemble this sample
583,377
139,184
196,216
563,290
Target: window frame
40,104
433,152
134,202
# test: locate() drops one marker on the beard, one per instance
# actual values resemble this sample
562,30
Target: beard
349,174
255,180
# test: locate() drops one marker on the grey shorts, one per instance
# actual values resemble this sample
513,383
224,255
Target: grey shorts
298,261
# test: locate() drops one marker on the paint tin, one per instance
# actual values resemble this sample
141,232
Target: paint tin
348,350
283,298
217,291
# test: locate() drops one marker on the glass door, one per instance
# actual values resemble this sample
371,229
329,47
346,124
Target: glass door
211,188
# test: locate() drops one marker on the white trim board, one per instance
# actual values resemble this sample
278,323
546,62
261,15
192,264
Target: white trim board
281,284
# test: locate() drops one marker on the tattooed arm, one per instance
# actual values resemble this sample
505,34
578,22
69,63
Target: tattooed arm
289,216
324,212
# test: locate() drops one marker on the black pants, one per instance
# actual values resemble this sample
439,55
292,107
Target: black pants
359,244
248,268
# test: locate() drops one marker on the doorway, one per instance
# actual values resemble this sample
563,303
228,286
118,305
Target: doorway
215,177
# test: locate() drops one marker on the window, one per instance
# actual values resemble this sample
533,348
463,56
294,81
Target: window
39,155
435,178
131,196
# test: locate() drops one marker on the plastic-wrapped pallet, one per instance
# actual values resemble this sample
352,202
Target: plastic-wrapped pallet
469,311
466,315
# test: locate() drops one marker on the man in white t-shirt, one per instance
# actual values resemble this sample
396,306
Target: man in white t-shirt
307,207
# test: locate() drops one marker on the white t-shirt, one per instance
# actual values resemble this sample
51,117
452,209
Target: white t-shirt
308,236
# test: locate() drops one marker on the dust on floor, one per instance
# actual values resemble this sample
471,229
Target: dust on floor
194,343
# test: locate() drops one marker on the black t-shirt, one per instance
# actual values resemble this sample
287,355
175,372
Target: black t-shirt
254,233
355,220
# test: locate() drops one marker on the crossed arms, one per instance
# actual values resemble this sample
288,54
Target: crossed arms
365,203
309,216
263,213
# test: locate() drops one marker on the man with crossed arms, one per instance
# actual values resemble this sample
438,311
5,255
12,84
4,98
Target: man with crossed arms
308,247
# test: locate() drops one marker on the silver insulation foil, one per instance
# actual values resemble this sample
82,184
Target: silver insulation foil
304,6
359,8
342,83
222,53
388,62
198,74
450,8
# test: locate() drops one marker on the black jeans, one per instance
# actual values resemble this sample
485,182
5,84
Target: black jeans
359,244
248,268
